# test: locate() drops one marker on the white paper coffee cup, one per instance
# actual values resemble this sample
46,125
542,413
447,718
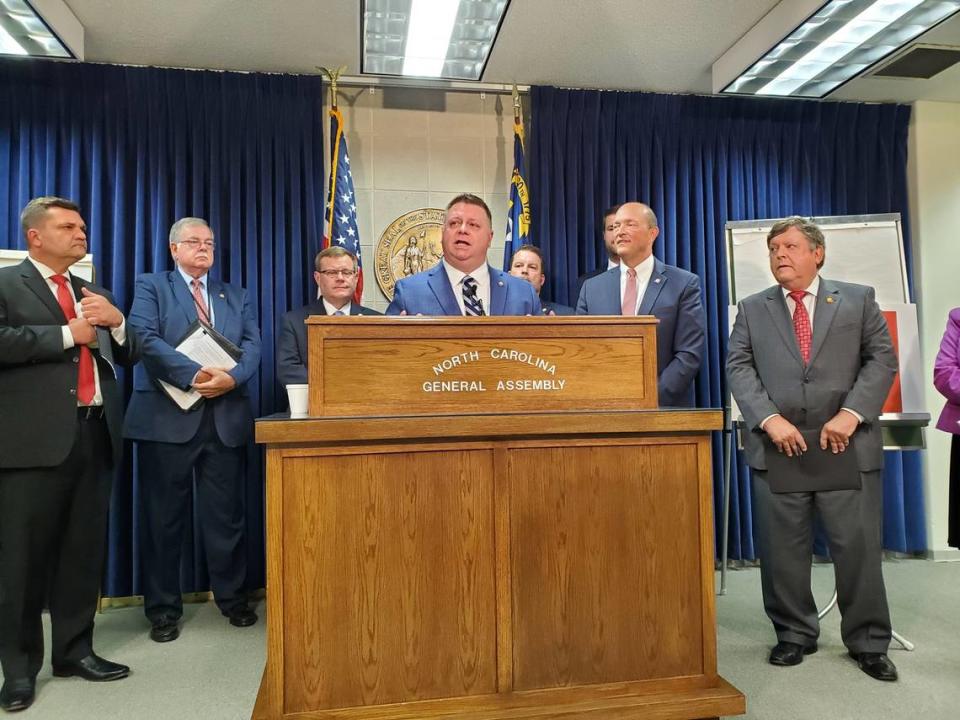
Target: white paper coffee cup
297,395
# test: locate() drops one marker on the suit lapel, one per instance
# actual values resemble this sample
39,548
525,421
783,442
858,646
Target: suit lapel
498,292
34,280
182,294
657,280
611,290
780,316
223,315
439,283
828,302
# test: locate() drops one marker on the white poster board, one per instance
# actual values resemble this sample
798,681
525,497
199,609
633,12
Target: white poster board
864,249
83,268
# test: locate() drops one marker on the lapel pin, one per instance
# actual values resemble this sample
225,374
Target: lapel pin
221,295
656,281
499,283
829,299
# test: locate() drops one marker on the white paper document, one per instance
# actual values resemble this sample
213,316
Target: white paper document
201,347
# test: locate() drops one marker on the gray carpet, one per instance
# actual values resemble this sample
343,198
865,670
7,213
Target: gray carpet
213,671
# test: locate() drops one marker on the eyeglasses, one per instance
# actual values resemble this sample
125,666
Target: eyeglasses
337,273
193,244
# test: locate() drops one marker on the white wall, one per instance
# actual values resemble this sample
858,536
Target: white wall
934,180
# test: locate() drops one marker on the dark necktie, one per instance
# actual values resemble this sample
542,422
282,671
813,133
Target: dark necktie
86,384
801,325
471,303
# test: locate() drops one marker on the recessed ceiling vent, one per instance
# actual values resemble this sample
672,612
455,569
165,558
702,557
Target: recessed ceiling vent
920,61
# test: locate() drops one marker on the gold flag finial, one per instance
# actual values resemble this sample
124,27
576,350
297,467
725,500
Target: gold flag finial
333,74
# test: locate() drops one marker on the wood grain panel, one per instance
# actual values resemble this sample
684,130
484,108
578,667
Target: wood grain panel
388,578
409,366
606,564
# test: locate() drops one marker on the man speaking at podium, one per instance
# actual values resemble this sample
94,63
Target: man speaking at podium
810,364
462,283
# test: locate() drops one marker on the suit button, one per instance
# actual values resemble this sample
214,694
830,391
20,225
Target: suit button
73,391
76,359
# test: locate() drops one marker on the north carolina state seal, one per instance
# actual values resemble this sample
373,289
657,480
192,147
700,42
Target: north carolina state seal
409,245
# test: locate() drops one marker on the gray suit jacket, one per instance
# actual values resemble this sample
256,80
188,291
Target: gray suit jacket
852,364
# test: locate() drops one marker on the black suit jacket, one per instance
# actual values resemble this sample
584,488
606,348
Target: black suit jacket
38,378
292,343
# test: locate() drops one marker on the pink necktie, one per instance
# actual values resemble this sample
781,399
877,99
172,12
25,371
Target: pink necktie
86,384
801,325
201,304
629,305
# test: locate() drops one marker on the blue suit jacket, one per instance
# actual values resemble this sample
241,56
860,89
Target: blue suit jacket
673,296
430,293
162,312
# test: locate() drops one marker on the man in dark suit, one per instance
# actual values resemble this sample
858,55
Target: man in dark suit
59,444
642,285
336,277
609,232
205,446
810,364
462,283
527,263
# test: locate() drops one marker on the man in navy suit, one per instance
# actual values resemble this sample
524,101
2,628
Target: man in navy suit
527,263
206,444
336,277
462,283
642,285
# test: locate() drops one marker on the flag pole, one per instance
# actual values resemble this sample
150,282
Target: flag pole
333,75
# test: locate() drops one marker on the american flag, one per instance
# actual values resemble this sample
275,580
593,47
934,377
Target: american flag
340,228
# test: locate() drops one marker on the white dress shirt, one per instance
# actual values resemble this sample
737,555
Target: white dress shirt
119,333
644,270
480,274
331,310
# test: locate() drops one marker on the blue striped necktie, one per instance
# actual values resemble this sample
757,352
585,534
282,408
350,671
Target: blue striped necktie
471,303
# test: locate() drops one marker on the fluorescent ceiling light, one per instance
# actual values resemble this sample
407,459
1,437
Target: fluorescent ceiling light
428,36
25,30
448,39
841,40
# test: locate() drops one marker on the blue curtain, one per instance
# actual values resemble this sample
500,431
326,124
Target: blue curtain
139,148
700,162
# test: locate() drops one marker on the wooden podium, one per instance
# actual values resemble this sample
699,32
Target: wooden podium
489,518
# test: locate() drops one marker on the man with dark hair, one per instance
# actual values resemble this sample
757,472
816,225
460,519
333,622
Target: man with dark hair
642,285
609,233
204,448
61,339
527,263
810,364
463,283
336,278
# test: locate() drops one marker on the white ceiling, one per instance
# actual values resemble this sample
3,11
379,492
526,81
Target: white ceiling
654,45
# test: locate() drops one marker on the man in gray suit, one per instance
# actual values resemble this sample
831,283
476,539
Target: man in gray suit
810,364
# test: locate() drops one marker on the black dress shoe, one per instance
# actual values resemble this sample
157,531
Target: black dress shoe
876,665
242,616
93,668
787,653
17,694
164,630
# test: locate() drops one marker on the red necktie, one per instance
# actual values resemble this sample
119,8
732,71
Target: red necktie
201,304
801,325
86,385
629,304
